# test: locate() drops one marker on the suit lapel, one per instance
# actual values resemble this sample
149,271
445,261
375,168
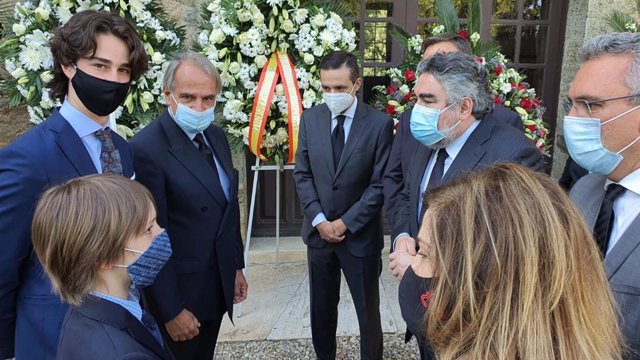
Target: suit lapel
118,317
472,151
182,148
355,133
421,159
626,245
71,144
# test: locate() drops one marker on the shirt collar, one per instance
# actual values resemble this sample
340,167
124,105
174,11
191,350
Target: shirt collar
81,123
630,182
456,145
351,111
131,304
190,135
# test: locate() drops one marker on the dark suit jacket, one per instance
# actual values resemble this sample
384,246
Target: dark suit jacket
101,330
204,229
49,154
571,174
491,142
404,148
621,264
352,191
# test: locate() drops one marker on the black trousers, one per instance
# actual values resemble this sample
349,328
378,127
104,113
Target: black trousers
362,275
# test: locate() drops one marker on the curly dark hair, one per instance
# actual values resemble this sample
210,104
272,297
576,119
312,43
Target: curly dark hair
77,38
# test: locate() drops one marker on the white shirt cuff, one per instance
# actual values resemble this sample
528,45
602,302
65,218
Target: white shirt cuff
320,218
393,246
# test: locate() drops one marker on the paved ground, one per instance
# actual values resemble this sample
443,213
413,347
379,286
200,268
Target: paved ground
275,318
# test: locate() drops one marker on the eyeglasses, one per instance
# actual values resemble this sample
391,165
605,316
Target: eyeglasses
586,107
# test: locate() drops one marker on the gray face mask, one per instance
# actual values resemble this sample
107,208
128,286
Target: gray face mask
338,103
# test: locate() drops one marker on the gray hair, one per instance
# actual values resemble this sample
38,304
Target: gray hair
618,44
461,76
198,60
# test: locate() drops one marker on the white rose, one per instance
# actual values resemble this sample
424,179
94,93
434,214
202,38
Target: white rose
335,17
309,59
279,90
42,13
404,89
146,97
288,26
160,35
46,76
318,20
216,36
18,73
18,29
157,58
234,67
318,50
301,15
505,88
214,7
244,15
258,18
261,61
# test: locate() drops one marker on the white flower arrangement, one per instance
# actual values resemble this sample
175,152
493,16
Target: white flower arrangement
240,36
28,59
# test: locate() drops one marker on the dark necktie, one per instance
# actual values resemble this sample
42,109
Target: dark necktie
109,155
152,326
337,139
604,222
435,178
205,150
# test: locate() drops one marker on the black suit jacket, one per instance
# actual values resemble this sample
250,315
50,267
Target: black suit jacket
204,229
101,330
405,146
352,191
490,143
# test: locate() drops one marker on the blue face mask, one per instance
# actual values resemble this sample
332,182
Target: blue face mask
584,142
424,124
144,270
191,120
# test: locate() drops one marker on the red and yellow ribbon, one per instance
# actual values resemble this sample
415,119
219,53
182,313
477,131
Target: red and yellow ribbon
278,66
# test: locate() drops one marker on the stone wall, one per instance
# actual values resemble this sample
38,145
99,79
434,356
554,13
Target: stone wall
586,19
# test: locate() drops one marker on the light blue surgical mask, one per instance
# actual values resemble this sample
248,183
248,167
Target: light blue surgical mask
190,120
424,124
144,270
583,137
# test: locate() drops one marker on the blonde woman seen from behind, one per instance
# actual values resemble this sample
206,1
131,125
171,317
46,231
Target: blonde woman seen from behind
516,272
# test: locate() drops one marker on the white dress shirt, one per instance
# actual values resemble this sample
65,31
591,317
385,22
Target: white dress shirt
626,208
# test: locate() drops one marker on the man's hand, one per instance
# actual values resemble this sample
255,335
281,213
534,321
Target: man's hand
241,288
183,327
339,227
399,261
406,244
328,233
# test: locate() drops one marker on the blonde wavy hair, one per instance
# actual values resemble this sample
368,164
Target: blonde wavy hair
519,276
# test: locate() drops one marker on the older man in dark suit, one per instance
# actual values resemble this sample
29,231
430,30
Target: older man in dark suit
404,145
450,121
185,161
602,133
343,149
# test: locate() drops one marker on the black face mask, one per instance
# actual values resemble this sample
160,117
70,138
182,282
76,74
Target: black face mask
101,97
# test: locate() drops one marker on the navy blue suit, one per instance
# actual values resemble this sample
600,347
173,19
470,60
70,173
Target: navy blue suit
405,146
49,154
102,330
203,226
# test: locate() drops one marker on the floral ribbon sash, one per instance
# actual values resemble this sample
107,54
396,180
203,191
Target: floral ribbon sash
278,66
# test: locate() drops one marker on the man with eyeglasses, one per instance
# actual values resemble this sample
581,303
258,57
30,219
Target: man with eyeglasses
602,132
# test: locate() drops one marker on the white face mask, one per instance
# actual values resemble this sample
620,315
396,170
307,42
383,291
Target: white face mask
339,102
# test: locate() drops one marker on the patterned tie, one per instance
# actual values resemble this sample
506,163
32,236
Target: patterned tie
206,151
337,140
604,222
109,155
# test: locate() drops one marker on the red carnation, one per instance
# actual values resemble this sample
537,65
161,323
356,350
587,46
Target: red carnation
391,89
480,59
497,100
522,86
408,97
390,109
531,128
409,75
537,102
425,298
498,70
463,34
526,104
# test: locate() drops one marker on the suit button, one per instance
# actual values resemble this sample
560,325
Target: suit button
204,209
335,187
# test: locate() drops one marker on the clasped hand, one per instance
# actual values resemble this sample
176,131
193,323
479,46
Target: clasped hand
332,231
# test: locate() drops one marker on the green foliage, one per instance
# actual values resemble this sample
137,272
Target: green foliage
618,20
447,14
474,16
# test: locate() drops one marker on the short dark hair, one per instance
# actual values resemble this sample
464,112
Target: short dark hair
458,41
337,59
77,38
